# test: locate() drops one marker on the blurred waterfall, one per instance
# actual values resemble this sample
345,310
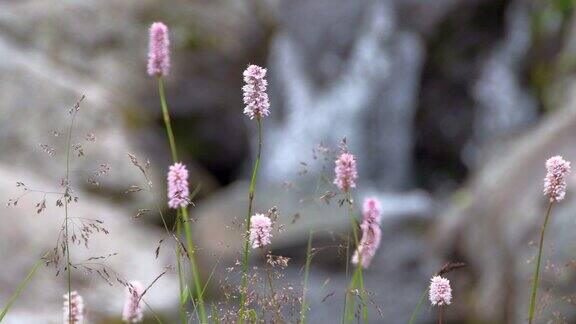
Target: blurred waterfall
502,105
370,100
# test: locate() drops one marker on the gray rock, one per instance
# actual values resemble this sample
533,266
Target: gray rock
494,225
26,236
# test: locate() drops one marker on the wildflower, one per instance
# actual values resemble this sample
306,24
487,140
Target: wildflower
74,315
260,230
440,291
132,311
345,170
178,186
255,96
371,212
557,169
371,233
159,50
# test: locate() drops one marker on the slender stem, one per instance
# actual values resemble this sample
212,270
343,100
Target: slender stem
21,286
184,212
439,314
167,122
538,263
180,275
417,309
69,271
358,273
304,307
347,293
66,218
251,190
193,266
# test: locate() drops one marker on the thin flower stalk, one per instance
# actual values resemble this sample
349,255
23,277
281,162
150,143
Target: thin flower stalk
73,112
184,220
557,170
257,106
358,277
536,279
180,269
304,306
246,253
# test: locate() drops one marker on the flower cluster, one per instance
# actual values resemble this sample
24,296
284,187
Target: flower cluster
178,186
440,291
557,169
132,310
159,50
260,230
345,170
255,96
371,233
74,315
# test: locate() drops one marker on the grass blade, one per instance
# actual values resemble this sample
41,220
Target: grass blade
21,286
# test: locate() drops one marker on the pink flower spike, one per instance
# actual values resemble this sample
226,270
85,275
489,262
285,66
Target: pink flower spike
371,211
255,96
76,313
557,169
346,173
368,245
260,230
440,291
371,233
159,50
132,310
178,186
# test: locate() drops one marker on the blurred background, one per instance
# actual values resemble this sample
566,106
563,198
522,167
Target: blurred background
452,107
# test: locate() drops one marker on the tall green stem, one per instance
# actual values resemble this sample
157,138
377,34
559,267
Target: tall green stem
346,260
193,265
167,122
304,307
251,190
358,273
538,263
181,281
66,218
184,212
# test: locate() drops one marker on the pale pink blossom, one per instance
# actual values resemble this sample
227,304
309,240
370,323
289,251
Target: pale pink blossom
345,170
74,315
440,291
371,212
260,230
557,169
132,309
159,50
371,233
255,96
178,186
